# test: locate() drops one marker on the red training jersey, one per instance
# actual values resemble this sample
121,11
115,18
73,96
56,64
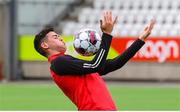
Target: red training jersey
81,81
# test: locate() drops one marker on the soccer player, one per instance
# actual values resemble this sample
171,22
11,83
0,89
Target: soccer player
81,80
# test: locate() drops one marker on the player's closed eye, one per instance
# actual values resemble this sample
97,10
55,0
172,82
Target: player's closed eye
56,36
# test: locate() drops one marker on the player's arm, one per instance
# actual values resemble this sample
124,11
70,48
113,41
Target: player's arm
69,65
121,60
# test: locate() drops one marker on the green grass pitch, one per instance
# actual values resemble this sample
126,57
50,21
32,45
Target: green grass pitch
46,96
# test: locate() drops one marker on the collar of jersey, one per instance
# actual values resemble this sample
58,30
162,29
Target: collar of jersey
54,56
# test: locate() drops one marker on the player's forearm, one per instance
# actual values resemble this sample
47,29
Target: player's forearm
121,60
101,55
128,53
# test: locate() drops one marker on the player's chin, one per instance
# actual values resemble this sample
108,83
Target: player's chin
64,48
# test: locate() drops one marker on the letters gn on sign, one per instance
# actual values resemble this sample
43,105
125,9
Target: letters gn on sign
155,50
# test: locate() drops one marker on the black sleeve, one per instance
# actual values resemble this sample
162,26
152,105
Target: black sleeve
121,60
66,65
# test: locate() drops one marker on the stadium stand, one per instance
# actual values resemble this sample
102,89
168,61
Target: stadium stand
33,15
133,15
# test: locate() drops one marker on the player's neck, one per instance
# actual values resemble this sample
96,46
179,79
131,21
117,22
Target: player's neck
51,53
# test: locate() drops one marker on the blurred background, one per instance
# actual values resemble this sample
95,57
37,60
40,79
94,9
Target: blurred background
150,81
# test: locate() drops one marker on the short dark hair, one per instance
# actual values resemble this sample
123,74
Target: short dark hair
38,40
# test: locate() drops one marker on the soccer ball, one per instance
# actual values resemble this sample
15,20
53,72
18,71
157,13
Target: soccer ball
87,42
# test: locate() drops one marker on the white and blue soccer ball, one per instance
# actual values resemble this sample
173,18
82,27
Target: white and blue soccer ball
87,42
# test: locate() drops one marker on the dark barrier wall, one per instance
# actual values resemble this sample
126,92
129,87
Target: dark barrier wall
1,38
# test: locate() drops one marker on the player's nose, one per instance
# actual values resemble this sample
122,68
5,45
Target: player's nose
60,38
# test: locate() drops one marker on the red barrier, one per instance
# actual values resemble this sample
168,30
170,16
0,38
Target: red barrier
1,66
155,50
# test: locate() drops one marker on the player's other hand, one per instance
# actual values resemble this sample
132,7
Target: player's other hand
147,30
107,22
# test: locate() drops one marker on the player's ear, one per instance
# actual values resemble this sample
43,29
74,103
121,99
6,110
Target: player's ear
44,45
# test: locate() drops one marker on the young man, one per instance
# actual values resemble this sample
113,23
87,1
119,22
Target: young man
81,80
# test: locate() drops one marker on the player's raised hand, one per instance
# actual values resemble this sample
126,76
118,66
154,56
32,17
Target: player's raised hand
107,22
147,30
